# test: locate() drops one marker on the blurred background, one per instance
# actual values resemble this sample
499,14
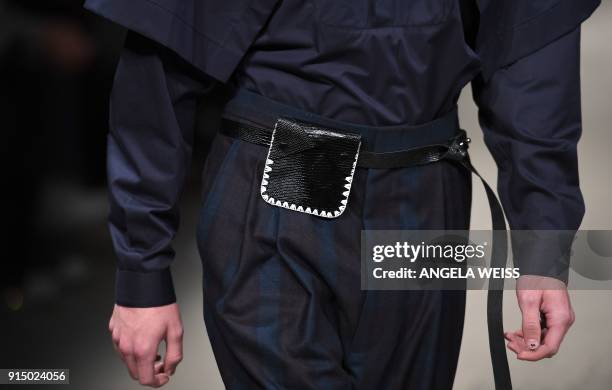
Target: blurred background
56,69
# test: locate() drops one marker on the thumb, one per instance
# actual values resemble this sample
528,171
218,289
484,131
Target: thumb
532,332
162,379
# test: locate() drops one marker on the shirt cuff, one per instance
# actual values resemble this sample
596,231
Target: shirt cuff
542,253
144,289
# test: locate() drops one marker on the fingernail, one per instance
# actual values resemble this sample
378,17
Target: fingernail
533,344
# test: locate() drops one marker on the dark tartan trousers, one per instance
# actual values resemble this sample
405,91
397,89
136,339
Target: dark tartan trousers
282,301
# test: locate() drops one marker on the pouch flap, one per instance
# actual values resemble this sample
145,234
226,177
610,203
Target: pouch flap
309,168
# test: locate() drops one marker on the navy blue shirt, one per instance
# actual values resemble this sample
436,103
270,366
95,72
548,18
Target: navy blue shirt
376,63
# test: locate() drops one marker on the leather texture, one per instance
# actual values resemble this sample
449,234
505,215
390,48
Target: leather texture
454,149
309,169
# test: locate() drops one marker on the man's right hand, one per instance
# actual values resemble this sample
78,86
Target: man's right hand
137,333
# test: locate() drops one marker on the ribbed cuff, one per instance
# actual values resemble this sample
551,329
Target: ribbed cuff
144,289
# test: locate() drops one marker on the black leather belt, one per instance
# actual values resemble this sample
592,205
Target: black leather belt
455,149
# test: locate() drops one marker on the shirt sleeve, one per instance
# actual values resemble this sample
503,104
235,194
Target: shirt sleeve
530,113
153,106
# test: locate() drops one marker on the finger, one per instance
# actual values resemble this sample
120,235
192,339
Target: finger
512,336
551,342
127,355
532,332
115,337
554,337
516,343
514,347
161,379
145,359
542,352
174,350
158,367
130,362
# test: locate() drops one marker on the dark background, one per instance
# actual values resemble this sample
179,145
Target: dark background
57,63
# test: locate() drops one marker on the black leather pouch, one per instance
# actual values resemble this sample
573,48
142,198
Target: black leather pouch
309,169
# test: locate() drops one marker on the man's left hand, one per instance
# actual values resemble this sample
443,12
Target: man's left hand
547,316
